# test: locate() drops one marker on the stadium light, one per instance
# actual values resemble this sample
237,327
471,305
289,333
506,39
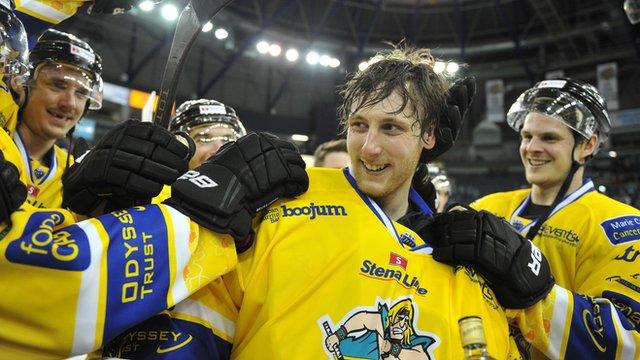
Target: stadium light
363,66
324,60
263,47
221,33
439,67
147,5
208,26
299,137
613,154
334,63
292,55
312,57
169,12
274,50
452,67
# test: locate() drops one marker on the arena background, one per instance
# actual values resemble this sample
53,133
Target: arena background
508,45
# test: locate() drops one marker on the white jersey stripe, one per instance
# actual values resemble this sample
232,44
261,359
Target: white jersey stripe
214,318
625,336
43,10
181,231
558,322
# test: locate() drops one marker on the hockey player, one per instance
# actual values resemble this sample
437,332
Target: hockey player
591,240
210,124
65,82
331,274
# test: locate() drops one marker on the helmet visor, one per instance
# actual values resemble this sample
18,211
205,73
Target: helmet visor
555,103
62,77
213,132
14,48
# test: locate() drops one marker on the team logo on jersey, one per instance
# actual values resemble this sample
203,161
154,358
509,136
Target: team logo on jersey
563,235
313,211
40,245
387,330
375,271
487,293
592,321
627,306
622,229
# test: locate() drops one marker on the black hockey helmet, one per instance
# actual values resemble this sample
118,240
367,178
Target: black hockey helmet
14,48
62,48
193,113
576,103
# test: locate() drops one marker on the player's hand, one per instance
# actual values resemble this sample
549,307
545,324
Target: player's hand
128,166
113,7
12,191
243,177
516,270
459,100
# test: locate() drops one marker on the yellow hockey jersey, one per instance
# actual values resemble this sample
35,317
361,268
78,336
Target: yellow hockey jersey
39,15
328,262
44,181
68,287
591,243
8,108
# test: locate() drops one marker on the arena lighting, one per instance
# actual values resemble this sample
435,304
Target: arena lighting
169,12
208,26
602,189
439,67
613,154
274,50
299,137
363,66
334,63
325,60
292,55
221,34
452,67
312,57
263,47
147,5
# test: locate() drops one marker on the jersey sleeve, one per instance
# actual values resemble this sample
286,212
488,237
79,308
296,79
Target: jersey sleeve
40,15
70,287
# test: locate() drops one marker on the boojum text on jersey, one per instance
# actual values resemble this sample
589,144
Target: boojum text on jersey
314,210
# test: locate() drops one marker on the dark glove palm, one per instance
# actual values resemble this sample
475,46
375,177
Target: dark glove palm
515,269
129,165
459,100
12,191
243,177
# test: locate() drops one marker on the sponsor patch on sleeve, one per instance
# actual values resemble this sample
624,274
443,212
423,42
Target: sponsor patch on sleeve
40,245
622,229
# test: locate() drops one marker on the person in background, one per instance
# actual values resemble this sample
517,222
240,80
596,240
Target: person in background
332,154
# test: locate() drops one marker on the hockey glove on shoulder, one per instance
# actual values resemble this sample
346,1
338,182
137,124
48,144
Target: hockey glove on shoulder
12,191
459,100
128,166
516,270
243,177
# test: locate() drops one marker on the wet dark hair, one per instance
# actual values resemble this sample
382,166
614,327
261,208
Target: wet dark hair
406,70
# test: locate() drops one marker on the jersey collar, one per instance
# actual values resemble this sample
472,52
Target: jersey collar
587,186
53,165
383,217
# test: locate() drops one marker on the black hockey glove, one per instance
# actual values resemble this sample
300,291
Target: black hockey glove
12,191
243,177
422,184
514,268
459,100
127,167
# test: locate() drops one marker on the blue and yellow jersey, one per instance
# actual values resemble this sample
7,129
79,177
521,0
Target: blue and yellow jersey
68,287
328,262
44,180
39,15
8,108
591,242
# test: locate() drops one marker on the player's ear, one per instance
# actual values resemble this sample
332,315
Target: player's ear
587,147
429,139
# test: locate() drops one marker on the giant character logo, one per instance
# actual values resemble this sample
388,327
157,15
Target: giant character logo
379,333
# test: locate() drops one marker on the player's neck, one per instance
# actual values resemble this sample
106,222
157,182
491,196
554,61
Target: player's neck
396,203
545,195
36,146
